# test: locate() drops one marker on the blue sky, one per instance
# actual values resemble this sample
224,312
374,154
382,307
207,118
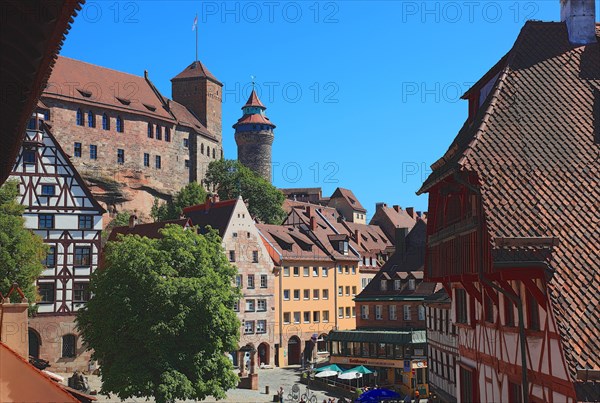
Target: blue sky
365,95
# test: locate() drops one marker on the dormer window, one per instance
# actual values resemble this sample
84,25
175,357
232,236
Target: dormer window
383,285
411,284
84,93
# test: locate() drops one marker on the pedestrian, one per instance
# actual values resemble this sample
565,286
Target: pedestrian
280,394
417,398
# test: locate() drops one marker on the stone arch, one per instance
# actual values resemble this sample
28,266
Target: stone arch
35,341
294,350
264,354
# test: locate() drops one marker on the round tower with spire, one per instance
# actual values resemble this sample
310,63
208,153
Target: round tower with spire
254,137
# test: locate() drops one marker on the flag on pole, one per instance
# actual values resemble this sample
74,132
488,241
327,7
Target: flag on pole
195,24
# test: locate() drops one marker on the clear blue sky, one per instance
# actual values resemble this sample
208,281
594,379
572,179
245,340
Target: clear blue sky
365,95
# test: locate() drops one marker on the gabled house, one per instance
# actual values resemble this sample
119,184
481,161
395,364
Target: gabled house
344,201
62,211
513,219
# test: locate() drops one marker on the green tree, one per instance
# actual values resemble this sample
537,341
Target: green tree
190,195
232,179
161,317
21,251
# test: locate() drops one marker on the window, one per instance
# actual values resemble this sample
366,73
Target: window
261,326
120,156
186,164
263,281
79,119
346,270
296,317
46,291
214,154
232,256
250,280
93,152
340,313
353,290
347,290
45,221
315,272
340,291
236,306
77,150
354,312
120,126
325,293
324,271
509,312
353,268
364,282
461,305
286,272
208,151
297,295
157,162
316,317
81,292
397,284
296,271
158,133
316,294
411,284
261,305
421,312
406,309
325,316
467,386
383,285
105,122
146,159
489,308
339,268
378,313
150,131
250,305
249,327
533,312
255,256
167,134
68,346
186,143
286,295
306,317
239,281
347,311
306,271
48,190
286,317
364,311
306,294
85,222
91,119
29,157
50,260
392,312
83,256
515,392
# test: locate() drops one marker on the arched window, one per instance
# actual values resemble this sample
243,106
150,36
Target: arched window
150,132
167,134
120,127
208,151
105,122
214,154
91,119
158,132
69,346
201,148
79,117
34,343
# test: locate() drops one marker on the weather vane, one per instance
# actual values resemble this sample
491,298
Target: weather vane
253,78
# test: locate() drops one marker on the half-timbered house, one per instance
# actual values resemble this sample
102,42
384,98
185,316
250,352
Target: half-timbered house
61,210
513,220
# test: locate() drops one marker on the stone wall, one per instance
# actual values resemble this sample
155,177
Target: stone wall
254,151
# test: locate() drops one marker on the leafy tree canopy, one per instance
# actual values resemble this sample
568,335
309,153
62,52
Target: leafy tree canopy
232,179
21,251
190,195
161,317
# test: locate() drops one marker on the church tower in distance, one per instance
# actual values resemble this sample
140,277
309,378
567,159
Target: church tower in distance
254,137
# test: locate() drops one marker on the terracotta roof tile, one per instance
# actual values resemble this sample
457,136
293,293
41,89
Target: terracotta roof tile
348,195
194,70
150,230
217,215
254,101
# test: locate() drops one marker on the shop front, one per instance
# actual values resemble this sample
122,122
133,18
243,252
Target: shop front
398,358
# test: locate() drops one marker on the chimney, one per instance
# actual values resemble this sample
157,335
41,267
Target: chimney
410,211
309,211
401,239
13,330
313,223
419,214
380,205
357,236
397,208
580,17
133,220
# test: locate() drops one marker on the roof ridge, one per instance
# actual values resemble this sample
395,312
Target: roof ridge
99,66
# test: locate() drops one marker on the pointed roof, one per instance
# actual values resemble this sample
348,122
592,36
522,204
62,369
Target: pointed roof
254,101
196,70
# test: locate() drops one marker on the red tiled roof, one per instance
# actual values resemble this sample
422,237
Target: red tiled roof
254,101
72,80
534,147
194,70
291,243
186,118
348,195
254,118
217,215
150,230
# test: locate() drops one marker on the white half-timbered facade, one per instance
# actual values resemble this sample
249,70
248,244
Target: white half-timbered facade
61,210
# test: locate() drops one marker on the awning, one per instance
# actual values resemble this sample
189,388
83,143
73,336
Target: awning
391,337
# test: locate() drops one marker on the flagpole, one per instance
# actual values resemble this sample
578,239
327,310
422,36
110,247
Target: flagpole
196,37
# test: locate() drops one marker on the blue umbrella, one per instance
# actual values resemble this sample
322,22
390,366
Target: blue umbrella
378,395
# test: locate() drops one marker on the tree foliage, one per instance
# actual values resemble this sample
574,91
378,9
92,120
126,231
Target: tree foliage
190,195
232,179
161,317
21,251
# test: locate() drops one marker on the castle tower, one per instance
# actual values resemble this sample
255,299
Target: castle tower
201,92
254,137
